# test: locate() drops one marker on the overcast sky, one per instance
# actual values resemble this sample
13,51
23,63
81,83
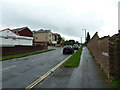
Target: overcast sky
67,17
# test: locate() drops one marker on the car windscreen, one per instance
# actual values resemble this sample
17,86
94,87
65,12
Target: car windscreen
67,46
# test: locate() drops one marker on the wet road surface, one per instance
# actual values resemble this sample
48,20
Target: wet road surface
20,72
87,75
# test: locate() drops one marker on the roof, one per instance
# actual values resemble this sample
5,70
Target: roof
41,31
5,29
19,29
17,36
8,29
55,34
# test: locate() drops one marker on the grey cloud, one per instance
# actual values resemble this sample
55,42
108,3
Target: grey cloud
51,17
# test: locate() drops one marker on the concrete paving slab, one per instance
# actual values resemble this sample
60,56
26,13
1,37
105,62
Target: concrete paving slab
88,74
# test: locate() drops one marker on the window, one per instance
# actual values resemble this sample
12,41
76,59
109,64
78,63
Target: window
46,38
14,38
36,37
6,37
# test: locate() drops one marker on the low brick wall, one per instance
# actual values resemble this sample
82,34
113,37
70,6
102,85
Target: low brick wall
20,49
106,51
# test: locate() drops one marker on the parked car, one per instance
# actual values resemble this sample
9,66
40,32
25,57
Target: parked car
76,47
68,49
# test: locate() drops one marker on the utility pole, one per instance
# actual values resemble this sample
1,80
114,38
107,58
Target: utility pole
81,40
85,34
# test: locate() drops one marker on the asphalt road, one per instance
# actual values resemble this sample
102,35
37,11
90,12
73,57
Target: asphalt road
20,72
86,75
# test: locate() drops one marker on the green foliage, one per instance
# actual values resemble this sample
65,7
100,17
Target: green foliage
115,82
59,40
25,54
74,60
76,42
70,42
66,42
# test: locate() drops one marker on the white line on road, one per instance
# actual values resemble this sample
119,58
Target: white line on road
8,68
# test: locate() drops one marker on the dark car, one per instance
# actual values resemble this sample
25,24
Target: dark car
68,49
76,47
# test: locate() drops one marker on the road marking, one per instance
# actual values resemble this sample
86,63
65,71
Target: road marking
46,75
33,60
8,68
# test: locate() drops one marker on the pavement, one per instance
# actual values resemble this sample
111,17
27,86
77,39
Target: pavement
21,72
86,75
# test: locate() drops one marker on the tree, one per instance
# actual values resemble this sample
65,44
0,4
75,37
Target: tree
66,42
69,42
72,42
59,39
76,42
88,37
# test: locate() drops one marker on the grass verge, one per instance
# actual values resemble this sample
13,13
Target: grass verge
74,60
25,54
115,83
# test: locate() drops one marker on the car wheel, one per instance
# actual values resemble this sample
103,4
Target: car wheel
63,52
73,52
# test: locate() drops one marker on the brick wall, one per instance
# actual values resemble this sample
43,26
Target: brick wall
103,56
92,45
20,49
106,51
115,55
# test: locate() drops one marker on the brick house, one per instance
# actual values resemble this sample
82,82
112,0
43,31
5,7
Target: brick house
24,31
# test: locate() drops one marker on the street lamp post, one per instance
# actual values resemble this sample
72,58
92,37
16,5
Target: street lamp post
81,40
85,34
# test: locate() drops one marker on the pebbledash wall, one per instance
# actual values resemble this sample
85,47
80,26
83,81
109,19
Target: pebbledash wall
106,51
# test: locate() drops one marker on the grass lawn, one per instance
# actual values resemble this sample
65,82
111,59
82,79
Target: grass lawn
74,60
25,54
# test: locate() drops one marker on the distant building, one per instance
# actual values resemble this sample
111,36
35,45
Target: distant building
55,38
45,37
10,38
24,31
42,37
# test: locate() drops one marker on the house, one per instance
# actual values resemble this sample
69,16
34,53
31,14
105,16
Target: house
42,37
24,31
55,38
10,38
